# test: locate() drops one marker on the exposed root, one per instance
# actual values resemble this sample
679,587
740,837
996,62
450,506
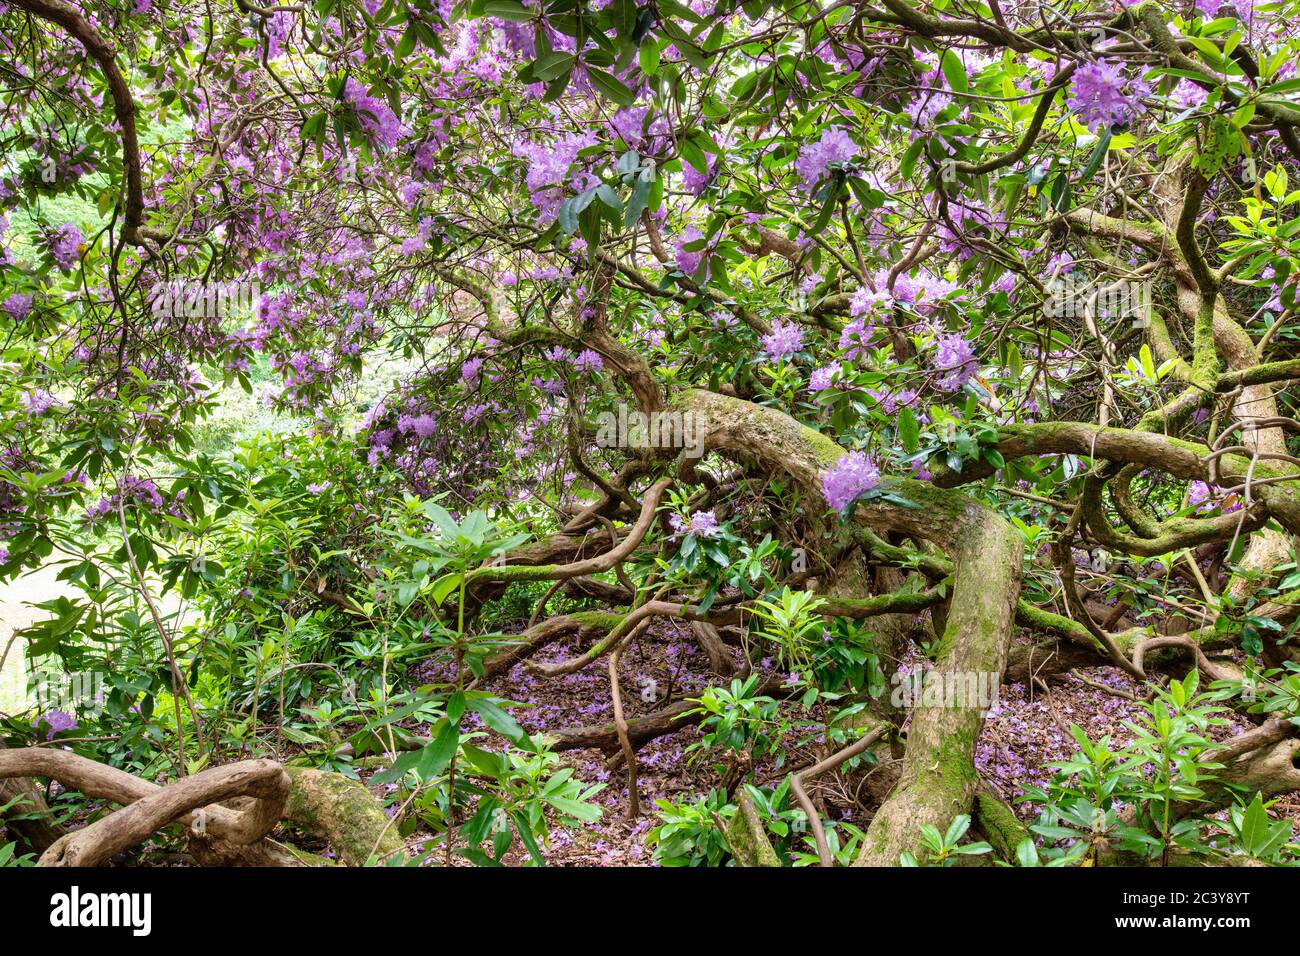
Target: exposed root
747,839
263,780
229,810
342,811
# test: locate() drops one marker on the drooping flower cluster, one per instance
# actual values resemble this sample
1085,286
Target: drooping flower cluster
39,401
866,300
130,489
955,357
422,426
783,341
891,401
822,378
835,146
1097,96
703,524
375,116
855,336
549,165
1209,9
57,721
548,169
1202,498
629,125
923,291
687,260
65,246
853,475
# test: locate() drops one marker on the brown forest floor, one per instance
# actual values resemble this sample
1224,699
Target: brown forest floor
1026,731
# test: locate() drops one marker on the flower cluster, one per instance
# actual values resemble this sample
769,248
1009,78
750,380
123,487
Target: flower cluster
689,261
57,721
65,246
835,146
783,341
856,335
703,524
823,378
376,118
39,401
130,489
1097,95
548,169
852,476
956,359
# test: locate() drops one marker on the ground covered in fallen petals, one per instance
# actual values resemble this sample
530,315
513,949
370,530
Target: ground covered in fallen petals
1026,731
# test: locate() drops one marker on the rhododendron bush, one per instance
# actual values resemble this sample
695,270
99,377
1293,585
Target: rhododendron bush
775,374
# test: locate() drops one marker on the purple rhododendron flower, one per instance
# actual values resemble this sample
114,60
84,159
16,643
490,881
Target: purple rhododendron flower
58,721
18,305
39,401
688,261
855,336
548,166
1201,497
891,402
377,119
955,358
588,360
822,379
65,246
864,300
704,524
835,146
1097,95
784,340
628,123
853,475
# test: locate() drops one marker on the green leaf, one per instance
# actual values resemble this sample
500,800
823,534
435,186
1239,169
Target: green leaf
609,197
436,756
573,208
551,65
587,812
693,154
526,835
406,46
909,430
954,71
508,10
444,586
610,86
649,57
1027,853
456,707
957,829
496,718
1094,161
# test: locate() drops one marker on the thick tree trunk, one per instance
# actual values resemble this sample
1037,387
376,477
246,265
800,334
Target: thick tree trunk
938,774
28,820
